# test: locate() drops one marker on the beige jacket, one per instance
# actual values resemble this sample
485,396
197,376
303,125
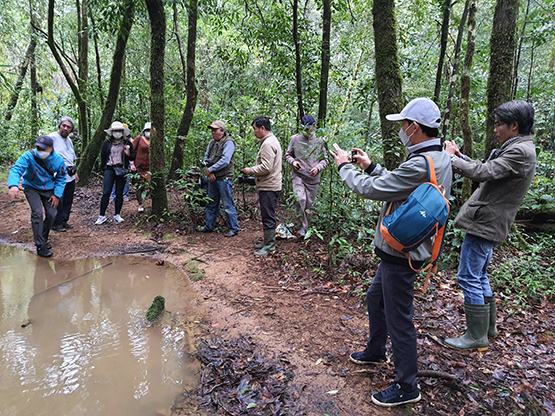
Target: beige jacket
504,180
268,164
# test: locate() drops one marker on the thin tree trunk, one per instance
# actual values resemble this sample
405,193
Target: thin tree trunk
446,8
501,68
465,93
298,72
93,148
520,42
453,78
388,78
179,45
192,93
19,82
157,18
97,60
83,59
325,65
530,72
33,77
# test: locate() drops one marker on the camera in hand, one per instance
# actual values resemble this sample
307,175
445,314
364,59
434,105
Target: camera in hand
247,180
71,170
353,154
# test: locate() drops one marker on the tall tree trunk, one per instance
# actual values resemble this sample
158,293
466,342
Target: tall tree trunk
519,50
325,66
388,78
530,72
19,82
192,93
446,9
298,72
157,104
93,148
83,58
77,93
97,60
454,71
34,89
501,67
465,92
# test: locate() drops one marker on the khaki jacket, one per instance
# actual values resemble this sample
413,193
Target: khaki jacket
268,164
504,180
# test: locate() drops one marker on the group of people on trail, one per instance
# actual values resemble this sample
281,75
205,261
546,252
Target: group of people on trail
49,177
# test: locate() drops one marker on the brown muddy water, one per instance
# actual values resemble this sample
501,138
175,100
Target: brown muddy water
86,348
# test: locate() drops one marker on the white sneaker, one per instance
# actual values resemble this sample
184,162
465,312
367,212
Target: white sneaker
101,220
141,209
118,219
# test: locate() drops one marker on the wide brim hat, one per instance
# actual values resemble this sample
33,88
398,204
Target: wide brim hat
117,125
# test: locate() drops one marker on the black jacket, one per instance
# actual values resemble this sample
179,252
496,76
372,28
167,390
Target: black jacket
107,148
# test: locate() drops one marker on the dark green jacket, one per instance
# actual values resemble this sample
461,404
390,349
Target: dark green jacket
219,163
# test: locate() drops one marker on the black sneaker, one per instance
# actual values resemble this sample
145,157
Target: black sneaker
58,228
394,395
67,226
362,358
44,251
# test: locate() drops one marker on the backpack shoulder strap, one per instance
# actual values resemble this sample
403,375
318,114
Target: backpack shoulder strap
42,164
430,167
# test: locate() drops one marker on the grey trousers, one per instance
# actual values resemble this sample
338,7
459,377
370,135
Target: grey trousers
306,194
39,202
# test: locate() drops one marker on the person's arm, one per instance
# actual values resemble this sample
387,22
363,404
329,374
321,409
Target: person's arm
290,152
60,180
510,163
130,151
17,170
267,156
225,159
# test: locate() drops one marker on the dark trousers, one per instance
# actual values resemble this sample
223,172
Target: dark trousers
107,183
268,204
390,311
39,202
64,207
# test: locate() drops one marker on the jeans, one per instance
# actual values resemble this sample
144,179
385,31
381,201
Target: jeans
268,204
108,182
473,279
125,189
390,312
66,202
221,190
39,202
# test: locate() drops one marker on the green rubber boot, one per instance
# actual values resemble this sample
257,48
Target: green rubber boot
492,330
476,335
269,243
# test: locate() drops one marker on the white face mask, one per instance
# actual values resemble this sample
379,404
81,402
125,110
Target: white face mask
117,135
405,138
147,134
43,154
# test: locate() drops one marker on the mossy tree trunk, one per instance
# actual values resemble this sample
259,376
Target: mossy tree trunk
446,12
298,72
325,62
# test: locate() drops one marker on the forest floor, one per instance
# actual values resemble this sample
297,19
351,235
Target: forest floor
275,333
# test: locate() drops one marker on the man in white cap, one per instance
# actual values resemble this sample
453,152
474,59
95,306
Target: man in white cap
390,296
63,145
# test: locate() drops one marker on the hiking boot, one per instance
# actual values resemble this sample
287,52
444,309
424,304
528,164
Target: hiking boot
67,226
101,220
58,228
394,395
269,243
118,219
231,233
363,358
44,251
492,329
476,335
141,209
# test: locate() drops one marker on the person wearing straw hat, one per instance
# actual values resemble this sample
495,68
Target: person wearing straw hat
115,155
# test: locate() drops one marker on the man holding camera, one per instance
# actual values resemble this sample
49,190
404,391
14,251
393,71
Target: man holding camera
390,296
306,154
64,147
218,160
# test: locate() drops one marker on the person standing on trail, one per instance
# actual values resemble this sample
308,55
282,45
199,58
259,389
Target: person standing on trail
268,181
307,155
141,164
390,296
63,145
488,214
44,180
115,155
218,162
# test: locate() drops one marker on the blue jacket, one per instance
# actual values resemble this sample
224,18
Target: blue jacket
35,176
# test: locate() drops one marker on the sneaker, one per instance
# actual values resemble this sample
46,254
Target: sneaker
67,226
362,358
101,220
44,251
58,228
231,233
126,198
141,209
394,395
204,229
118,219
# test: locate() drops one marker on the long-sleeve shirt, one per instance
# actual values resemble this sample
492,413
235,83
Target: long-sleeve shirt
64,147
268,164
310,153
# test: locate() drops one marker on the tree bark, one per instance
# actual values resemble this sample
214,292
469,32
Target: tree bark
454,72
388,78
157,18
519,50
446,8
19,82
97,60
501,68
325,66
192,93
530,72
83,58
33,77
298,72
93,148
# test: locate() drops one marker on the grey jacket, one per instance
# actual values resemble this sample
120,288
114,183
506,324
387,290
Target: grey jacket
505,178
395,186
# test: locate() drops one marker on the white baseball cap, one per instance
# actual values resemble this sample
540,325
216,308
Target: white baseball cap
422,110
148,126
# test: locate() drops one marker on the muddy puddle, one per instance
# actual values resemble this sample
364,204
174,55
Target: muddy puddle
84,347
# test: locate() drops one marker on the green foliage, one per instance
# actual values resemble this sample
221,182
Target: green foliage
193,197
156,309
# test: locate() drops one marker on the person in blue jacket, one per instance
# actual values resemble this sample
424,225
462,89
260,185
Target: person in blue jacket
44,180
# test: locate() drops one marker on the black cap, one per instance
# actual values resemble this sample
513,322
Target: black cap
44,141
308,121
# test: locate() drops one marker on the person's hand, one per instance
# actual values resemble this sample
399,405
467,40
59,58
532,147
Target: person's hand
296,165
314,171
132,167
451,148
54,201
246,171
13,192
211,177
361,158
341,156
